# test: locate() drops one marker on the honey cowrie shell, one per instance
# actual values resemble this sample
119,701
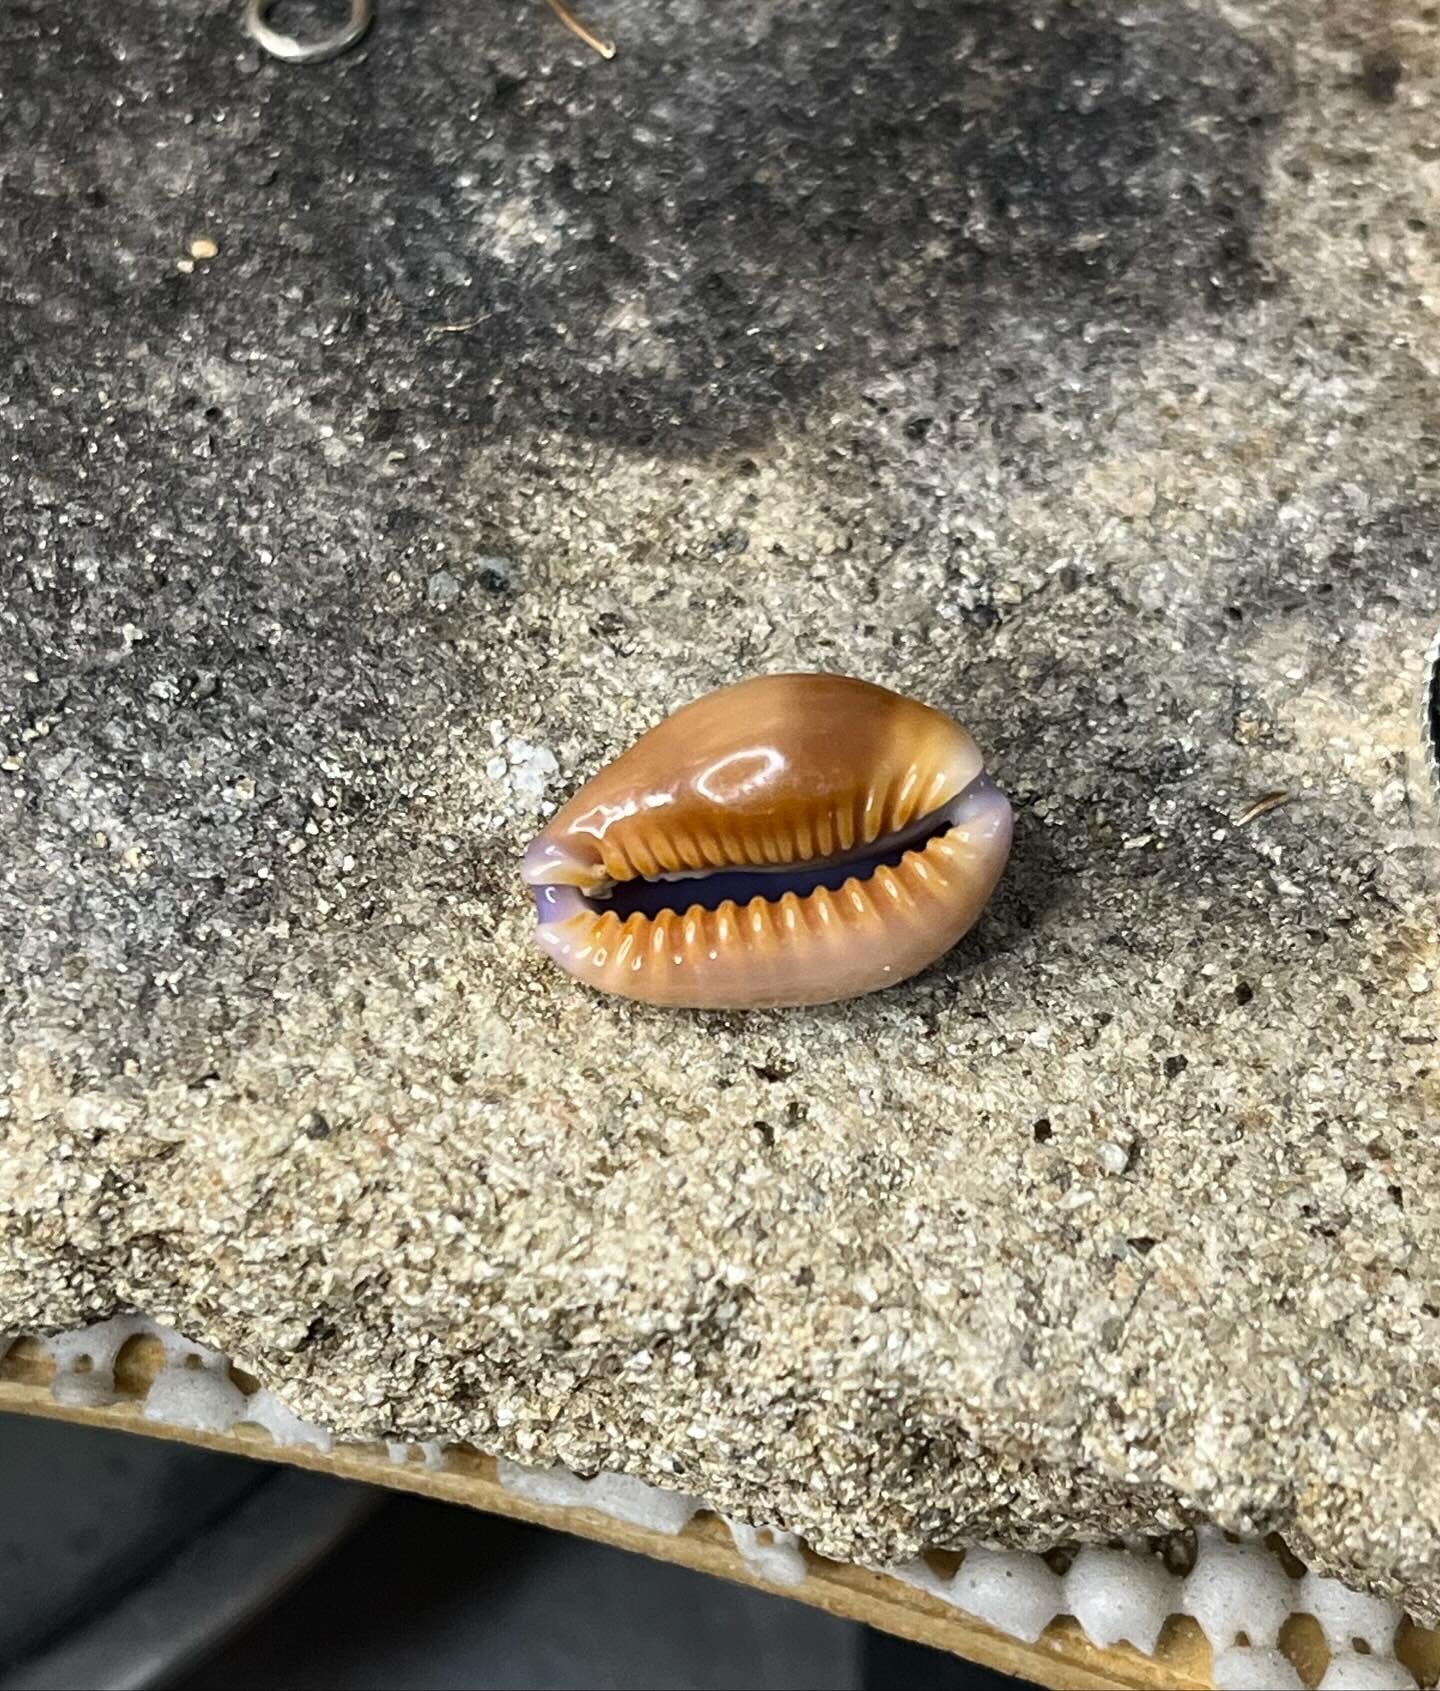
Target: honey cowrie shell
793,839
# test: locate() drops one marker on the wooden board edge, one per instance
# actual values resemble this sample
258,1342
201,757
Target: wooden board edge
1063,1659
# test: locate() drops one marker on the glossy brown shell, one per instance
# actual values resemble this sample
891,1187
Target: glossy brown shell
781,769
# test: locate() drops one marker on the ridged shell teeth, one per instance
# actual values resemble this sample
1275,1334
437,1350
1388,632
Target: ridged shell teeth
790,949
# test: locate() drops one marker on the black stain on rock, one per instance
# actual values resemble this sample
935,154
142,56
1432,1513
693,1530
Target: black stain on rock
666,251
1380,75
680,251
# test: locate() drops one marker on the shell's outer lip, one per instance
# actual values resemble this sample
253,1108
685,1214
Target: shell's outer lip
1430,721
826,946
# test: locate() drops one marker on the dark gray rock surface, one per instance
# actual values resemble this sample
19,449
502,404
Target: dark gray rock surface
1073,366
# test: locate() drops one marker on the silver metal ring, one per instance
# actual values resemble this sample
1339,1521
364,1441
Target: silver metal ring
1430,708
305,52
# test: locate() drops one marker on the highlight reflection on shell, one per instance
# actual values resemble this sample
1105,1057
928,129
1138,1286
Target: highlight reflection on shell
792,839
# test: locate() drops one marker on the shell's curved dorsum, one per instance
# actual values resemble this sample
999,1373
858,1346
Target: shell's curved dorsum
793,839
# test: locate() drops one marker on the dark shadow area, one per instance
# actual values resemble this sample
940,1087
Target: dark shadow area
895,1664
91,1516
428,1595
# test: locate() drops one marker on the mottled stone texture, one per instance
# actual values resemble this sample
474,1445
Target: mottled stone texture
1073,366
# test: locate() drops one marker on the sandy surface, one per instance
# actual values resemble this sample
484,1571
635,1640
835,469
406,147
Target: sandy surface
1070,366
